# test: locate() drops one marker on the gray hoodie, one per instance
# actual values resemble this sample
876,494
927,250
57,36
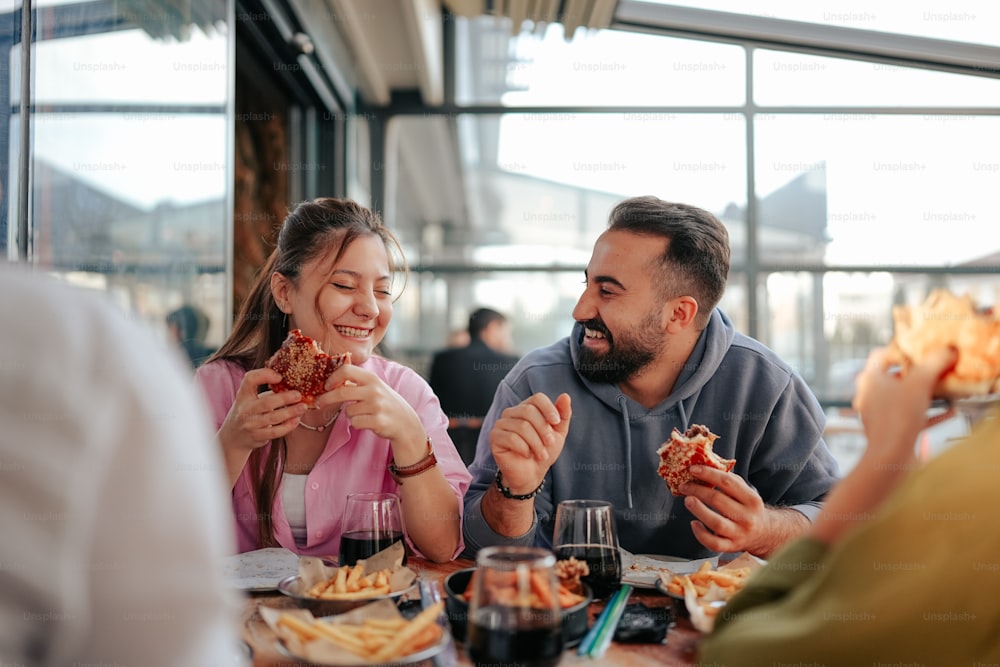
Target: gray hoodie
763,412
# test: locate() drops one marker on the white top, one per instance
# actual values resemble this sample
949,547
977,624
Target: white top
113,506
293,497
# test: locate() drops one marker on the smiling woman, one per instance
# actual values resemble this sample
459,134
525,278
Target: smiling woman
292,462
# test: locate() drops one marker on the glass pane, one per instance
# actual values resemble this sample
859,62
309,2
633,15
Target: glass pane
130,188
792,79
131,66
972,21
534,192
825,325
595,68
878,190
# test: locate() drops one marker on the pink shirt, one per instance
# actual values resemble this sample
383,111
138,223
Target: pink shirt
354,460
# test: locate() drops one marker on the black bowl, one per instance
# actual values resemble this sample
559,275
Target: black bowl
575,619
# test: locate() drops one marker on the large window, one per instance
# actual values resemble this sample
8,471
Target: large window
847,186
128,155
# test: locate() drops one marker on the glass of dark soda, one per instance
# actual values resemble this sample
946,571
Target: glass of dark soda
514,615
585,530
372,522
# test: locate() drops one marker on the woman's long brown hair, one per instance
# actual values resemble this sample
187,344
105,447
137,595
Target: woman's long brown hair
312,229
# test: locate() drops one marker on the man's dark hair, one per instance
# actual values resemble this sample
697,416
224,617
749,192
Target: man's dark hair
482,318
696,260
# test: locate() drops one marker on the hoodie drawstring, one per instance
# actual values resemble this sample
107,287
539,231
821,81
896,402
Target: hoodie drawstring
682,412
628,448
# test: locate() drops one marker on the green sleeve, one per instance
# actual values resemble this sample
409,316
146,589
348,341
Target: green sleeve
914,584
792,565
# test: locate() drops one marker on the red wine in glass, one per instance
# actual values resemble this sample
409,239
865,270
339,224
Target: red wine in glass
360,544
512,644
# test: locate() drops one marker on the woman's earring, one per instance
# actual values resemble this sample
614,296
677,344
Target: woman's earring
284,322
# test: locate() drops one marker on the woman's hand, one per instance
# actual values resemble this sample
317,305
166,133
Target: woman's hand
256,419
893,405
369,403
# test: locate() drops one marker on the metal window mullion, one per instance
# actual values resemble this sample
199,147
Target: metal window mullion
24,140
752,222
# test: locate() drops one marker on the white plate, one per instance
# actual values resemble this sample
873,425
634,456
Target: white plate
260,570
642,570
975,408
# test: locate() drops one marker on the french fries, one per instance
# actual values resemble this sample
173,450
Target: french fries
722,583
377,640
350,584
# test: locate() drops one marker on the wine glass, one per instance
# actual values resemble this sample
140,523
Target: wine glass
372,522
514,615
585,530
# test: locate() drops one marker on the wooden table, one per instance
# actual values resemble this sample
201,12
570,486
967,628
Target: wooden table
679,650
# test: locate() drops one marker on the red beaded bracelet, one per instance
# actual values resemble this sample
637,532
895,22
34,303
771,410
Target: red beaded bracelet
426,463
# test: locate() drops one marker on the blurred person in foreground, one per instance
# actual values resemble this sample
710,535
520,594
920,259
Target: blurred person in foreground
291,468
112,500
901,566
650,352
465,378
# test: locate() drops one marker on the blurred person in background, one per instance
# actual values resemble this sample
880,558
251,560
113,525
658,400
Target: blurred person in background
113,509
651,352
188,326
466,377
901,567
377,427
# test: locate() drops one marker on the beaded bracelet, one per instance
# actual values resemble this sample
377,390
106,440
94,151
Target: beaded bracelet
513,496
426,463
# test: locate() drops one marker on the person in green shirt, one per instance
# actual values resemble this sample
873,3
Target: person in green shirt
901,567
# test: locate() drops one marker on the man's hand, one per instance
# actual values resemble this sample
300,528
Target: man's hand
528,438
525,441
733,517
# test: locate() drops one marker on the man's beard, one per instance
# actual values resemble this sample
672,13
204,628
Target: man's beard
627,356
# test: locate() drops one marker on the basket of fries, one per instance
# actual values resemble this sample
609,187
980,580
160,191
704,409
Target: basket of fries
326,589
374,634
700,595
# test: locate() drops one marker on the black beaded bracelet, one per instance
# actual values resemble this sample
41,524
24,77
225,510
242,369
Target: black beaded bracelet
507,494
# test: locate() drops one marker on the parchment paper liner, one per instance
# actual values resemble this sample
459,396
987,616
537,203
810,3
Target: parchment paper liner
313,570
325,651
702,621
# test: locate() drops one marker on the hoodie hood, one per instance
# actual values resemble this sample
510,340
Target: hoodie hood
705,359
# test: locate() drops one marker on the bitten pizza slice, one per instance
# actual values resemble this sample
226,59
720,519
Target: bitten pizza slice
304,366
683,450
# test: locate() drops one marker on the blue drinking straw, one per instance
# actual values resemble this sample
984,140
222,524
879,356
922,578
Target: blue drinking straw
598,638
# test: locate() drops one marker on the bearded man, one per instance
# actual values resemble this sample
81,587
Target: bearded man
650,352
